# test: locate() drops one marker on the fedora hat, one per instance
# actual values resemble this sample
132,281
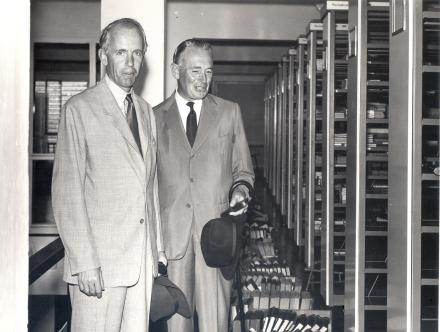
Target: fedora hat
222,239
167,299
221,242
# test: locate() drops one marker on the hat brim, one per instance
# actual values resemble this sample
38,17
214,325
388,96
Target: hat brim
167,299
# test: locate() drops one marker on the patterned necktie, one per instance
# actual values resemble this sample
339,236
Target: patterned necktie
191,124
132,120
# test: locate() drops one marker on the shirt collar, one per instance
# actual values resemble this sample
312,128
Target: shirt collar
181,103
118,93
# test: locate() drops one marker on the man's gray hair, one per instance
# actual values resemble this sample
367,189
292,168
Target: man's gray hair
125,22
195,43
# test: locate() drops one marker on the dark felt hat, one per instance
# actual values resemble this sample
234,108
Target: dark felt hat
167,299
223,238
221,242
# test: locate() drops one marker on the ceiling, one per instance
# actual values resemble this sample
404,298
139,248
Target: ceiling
267,2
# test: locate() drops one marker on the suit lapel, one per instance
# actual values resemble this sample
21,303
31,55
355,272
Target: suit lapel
112,110
208,119
119,121
148,140
144,127
174,126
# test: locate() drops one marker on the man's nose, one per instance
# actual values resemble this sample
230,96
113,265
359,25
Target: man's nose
129,59
203,77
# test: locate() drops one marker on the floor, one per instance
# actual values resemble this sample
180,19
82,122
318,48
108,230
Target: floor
288,251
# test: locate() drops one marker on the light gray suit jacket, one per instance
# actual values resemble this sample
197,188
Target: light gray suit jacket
104,191
196,181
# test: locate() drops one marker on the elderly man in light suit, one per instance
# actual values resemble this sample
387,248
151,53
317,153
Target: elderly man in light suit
202,150
105,192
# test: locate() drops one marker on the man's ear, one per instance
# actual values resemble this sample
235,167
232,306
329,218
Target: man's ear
175,70
103,57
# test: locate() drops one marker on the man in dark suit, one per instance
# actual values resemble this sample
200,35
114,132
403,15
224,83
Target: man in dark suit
104,192
202,150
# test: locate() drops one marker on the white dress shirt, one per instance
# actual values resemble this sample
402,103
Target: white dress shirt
184,108
119,95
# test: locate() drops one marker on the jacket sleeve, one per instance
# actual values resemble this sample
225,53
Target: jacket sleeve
242,168
159,235
68,194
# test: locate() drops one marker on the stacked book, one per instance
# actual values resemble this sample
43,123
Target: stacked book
53,106
341,140
318,178
40,87
341,161
276,320
341,113
378,186
50,96
377,110
273,298
318,223
377,140
69,89
339,225
340,193
39,117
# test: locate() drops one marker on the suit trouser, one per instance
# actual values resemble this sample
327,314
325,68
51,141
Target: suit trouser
206,290
120,308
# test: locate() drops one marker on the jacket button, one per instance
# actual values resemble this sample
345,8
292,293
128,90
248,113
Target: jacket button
188,205
191,180
141,221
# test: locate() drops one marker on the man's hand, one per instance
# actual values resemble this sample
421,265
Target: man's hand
239,197
90,282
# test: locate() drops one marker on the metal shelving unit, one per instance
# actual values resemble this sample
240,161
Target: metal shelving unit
290,134
300,102
284,104
313,130
334,143
413,283
367,165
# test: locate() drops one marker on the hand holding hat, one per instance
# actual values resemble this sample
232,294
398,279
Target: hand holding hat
167,299
222,238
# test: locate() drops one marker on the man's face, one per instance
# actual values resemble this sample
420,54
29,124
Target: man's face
124,56
194,73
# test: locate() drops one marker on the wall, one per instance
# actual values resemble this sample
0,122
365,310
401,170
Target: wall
65,21
14,179
151,15
232,21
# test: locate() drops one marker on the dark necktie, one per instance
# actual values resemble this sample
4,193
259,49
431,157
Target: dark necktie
191,124
132,120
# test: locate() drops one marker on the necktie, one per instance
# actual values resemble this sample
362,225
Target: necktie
132,120
191,124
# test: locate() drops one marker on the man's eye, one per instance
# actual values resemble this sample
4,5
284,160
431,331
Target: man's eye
119,52
138,53
209,72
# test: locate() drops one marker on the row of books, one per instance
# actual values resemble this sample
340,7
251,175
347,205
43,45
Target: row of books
378,186
276,320
50,96
340,193
341,140
377,139
272,296
377,110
